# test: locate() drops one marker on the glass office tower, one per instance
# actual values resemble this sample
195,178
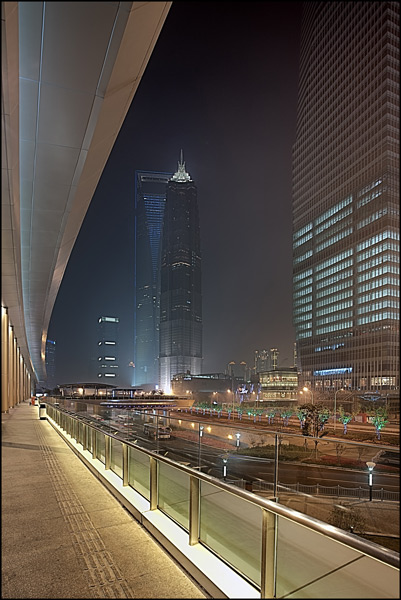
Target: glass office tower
150,199
346,198
50,361
181,300
107,367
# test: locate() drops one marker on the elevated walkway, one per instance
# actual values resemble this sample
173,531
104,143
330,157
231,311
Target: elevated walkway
63,534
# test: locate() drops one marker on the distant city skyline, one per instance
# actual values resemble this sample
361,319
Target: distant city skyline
222,95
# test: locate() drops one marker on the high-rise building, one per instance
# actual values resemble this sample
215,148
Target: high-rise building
150,200
181,299
346,197
50,360
262,361
274,354
107,347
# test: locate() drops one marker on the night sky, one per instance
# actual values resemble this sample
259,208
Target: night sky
221,84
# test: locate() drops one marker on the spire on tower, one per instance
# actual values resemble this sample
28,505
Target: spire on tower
181,175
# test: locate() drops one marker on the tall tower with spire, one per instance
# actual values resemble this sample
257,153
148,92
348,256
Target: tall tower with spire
181,295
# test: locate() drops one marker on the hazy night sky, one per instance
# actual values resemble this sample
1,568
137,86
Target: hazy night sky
222,85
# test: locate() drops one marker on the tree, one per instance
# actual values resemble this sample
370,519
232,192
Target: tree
340,449
285,415
344,418
323,417
313,415
271,413
379,419
301,414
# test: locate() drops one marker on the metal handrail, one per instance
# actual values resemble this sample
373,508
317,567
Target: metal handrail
365,546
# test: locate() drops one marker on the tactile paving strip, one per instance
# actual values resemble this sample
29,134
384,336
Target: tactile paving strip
103,576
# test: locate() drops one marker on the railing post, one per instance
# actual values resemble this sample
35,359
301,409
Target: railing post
269,554
125,464
107,451
94,443
84,436
193,510
153,483
275,466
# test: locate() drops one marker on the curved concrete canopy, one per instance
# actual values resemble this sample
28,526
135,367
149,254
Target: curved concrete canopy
69,73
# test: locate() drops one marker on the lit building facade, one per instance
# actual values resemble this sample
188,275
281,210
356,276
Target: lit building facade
279,385
181,297
150,200
107,347
346,197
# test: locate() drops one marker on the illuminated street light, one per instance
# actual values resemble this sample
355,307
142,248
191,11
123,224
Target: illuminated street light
335,406
238,435
225,468
371,466
310,391
201,428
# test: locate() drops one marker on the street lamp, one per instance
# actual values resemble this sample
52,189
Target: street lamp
238,435
224,468
201,428
335,406
371,466
310,391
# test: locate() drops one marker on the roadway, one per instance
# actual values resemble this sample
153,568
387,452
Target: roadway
209,458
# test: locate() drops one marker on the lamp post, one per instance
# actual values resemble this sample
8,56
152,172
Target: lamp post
225,468
238,435
335,406
371,466
201,428
310,391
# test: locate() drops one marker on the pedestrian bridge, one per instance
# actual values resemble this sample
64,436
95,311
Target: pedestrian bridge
235,544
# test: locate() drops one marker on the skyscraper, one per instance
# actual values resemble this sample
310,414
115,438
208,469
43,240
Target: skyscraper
181,299
107,367
346,197
150,199
50,364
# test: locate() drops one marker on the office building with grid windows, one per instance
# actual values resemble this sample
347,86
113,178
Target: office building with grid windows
346,198
181,298
150,200
107,347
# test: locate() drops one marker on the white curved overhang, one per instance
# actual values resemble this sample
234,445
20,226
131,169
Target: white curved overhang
69,73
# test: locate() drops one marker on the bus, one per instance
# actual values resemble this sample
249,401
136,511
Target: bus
161,432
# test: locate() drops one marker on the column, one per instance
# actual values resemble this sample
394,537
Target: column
5,360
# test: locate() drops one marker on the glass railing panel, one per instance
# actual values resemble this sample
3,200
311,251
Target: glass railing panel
100,447
232,527
90,436
80,433
116,458
139,472
312,565
173,499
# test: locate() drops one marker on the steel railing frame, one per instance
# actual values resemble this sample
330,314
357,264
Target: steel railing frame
271,511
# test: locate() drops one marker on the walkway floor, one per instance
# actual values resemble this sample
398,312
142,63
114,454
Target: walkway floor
63,534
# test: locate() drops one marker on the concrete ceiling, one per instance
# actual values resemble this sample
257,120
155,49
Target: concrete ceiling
69,73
